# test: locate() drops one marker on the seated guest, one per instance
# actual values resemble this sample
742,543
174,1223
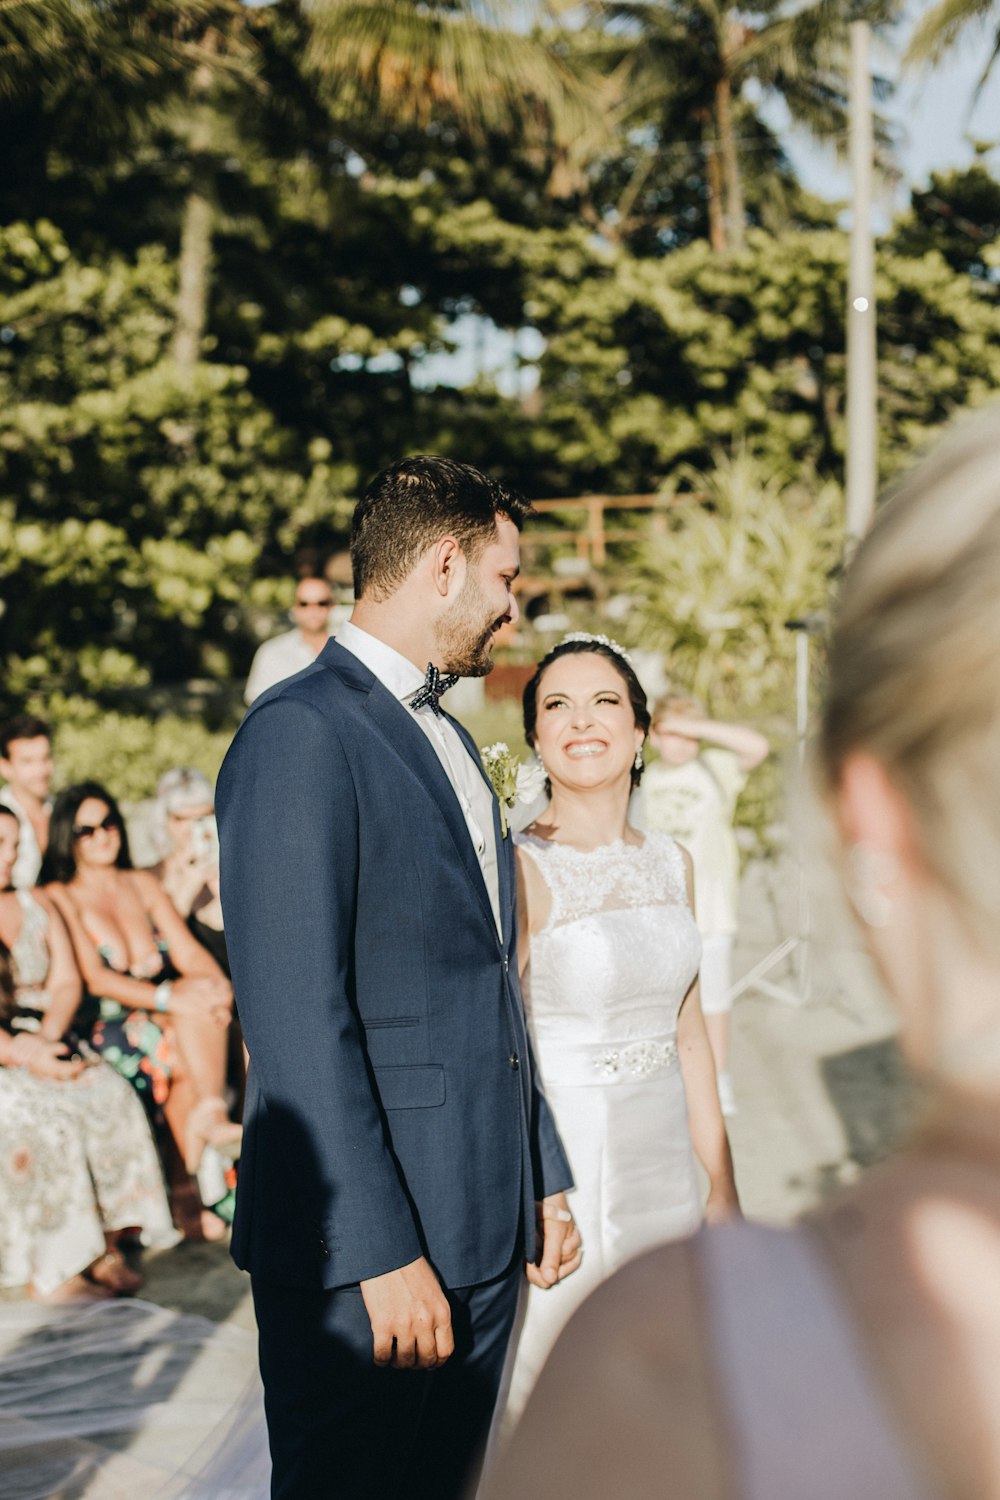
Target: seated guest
77,1160
26,767
188,842
163,1005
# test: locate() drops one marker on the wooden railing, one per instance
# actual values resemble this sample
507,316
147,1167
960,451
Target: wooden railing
592,538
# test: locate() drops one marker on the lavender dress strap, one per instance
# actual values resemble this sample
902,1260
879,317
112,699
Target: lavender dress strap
803,1409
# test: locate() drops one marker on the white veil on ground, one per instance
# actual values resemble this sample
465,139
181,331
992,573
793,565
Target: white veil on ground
124,1400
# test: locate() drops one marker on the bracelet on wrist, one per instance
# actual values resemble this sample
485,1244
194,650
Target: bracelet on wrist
161,996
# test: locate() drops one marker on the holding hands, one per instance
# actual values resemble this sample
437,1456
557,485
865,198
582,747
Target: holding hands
560,1248
44,1058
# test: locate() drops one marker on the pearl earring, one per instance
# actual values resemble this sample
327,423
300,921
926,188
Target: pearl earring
638,762
868,873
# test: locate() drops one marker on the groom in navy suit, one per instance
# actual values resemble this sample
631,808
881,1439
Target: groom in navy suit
400,1164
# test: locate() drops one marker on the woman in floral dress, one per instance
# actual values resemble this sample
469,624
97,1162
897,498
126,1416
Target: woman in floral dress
77,1161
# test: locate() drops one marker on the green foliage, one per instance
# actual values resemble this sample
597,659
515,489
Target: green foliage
150,507
650,364
129,753
714,594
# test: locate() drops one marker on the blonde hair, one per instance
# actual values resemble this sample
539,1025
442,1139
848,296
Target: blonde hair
914,674
677,705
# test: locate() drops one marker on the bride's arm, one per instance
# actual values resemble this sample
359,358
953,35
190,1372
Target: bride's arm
705,1121
534,904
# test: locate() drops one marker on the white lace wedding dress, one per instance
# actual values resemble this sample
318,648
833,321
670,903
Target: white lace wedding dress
605,982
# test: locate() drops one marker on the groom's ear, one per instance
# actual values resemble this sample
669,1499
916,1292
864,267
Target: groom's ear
448,566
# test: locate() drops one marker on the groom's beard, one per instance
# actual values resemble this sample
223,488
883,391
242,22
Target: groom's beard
464,636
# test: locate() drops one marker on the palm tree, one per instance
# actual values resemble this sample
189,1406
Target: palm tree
940,29
180,64
695,61
469,58
106,70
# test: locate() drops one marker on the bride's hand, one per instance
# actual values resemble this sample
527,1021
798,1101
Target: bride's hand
559,1242
722,1207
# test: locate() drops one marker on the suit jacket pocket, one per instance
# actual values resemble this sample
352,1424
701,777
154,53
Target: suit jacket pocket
410,1088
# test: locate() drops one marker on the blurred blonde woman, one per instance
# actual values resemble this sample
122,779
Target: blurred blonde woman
857,1354
188,869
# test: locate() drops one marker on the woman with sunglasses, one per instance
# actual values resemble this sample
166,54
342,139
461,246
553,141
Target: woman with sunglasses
159,1006
78,1166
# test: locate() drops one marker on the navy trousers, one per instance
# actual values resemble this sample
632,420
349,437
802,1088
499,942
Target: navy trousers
341,1428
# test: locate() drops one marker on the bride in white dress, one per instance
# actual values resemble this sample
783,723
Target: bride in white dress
609,955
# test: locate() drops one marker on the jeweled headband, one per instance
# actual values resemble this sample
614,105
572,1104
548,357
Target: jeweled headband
597,640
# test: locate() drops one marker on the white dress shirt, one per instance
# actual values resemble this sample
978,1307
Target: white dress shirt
29,854
404,680
276,659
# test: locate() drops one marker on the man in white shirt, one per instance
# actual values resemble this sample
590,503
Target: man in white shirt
26,767
288,653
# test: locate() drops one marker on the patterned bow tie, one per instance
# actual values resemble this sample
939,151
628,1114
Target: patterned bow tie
435,684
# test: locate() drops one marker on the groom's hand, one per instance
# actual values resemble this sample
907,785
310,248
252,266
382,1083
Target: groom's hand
410,1317
558,1242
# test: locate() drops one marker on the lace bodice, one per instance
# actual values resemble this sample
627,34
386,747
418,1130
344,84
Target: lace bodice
30,953
612,878
613,963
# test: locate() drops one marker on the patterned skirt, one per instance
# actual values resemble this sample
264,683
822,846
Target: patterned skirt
76,1159
134,1044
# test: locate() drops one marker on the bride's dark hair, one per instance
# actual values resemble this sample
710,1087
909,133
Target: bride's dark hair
592,647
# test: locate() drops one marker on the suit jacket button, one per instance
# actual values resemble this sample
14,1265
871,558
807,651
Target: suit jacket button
506,964
514,1061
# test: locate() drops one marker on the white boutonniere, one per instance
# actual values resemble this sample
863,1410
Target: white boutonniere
512,779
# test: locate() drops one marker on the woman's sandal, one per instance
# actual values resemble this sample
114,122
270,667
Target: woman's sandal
209,1125
113,1271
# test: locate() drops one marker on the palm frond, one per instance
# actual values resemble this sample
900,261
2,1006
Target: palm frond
408,61
940,29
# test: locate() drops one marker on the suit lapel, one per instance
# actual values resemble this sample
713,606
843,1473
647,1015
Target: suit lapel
504,848
408,741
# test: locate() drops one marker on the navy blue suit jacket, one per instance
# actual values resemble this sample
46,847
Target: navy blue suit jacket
392,1109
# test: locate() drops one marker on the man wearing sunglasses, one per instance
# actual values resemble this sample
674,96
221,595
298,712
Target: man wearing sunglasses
288,653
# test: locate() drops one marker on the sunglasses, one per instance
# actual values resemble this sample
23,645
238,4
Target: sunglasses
313,603
107,825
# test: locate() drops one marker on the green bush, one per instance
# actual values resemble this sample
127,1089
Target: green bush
129,753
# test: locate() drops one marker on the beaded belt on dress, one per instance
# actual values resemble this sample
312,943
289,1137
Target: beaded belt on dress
575,1063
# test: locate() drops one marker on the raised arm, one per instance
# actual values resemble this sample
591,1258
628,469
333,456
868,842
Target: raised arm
705,1120
748,745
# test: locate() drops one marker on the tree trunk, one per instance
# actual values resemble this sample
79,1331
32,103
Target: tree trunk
735,211
193,276
713,173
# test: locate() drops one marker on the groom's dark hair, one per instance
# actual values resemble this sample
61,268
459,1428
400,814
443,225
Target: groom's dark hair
412,503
